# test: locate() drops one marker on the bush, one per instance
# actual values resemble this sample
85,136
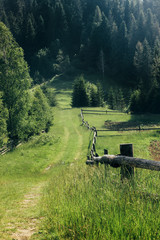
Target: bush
50,94
39,115
138,102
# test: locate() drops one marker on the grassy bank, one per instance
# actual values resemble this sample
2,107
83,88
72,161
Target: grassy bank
81,203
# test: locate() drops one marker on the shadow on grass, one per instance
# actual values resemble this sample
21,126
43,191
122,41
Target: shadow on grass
104,136
62,83
136,121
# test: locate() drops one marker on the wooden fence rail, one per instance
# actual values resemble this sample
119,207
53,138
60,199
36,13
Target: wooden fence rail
126,130
124,160
86,110
119,161
93,147
102,111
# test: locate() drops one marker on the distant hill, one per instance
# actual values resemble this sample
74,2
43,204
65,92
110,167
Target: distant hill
119,38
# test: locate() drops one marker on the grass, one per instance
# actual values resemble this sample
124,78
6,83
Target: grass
72,200
89,203
83,204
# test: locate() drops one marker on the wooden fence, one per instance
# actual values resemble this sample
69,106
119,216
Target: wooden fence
3,150
124,160
8,147
93,129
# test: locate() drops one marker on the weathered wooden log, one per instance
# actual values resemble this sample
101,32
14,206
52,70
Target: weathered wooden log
94,140
90,162
119,161
93,113
94,147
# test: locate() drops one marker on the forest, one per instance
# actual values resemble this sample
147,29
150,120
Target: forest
119,39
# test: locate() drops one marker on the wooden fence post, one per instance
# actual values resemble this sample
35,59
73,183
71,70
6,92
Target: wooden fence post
105,151
126,171
105,165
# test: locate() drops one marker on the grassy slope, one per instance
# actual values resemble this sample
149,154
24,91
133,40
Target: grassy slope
29,167
76,201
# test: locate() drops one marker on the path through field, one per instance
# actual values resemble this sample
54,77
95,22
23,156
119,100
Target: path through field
22,221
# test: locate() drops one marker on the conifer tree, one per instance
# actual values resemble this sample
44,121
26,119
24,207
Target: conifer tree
112,99
94,101
79,95
120,100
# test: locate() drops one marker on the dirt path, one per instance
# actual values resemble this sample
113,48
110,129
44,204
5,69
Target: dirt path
28,215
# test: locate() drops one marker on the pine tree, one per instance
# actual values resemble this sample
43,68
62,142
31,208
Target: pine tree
120,100
97,20
141,27
79,95
112,99
93,96
100,95
127,13
147,63
155,69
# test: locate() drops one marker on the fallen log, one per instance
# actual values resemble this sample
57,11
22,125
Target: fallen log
119,161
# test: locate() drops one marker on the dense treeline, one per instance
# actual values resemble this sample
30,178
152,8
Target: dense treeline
120,38
22,113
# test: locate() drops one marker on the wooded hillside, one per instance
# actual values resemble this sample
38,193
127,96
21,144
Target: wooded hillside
119,38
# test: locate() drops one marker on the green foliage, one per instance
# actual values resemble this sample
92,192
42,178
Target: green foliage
3,120
62,63
87,94
116,38
93,96
14,80
135,102
39,115
79,95
111,99
116,99
96,95
50,95
43,65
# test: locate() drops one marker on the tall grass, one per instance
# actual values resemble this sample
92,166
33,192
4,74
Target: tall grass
84,202
81,203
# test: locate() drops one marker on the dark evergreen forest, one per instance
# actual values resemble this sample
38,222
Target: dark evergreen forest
116,38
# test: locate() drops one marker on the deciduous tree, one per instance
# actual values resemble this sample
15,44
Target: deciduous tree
14,80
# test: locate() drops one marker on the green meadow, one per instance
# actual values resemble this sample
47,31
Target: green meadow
48,193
